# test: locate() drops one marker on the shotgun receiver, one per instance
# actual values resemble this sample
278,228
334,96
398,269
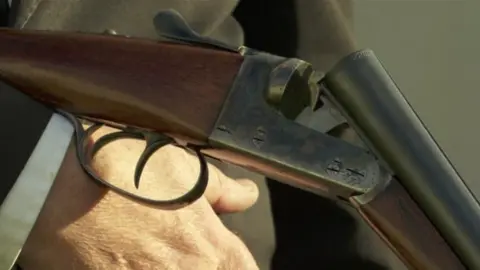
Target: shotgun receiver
234,104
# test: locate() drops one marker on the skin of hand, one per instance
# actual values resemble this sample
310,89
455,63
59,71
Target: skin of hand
84,226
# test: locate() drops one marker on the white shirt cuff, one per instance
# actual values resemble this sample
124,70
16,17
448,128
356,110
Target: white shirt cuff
25,200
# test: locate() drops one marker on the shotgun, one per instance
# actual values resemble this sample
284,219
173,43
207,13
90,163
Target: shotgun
236,105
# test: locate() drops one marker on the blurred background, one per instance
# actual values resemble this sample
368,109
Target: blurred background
431,49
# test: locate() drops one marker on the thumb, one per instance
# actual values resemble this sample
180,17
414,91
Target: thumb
227,195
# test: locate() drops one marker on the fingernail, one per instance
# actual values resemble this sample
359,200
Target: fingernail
248,185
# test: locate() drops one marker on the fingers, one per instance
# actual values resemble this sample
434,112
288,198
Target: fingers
227,195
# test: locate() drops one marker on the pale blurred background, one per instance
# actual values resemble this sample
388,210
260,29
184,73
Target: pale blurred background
432,49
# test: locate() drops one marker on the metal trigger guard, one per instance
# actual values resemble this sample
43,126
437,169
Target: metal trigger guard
154,142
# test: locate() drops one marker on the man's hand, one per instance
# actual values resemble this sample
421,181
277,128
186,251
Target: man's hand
84,226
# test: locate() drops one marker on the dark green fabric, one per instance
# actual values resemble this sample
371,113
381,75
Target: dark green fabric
4,9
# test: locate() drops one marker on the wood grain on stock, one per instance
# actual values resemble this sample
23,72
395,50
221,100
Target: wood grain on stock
410,234
162,86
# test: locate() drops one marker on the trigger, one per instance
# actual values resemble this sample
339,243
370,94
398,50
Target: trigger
154,142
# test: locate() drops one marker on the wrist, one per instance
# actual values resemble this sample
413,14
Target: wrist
72,199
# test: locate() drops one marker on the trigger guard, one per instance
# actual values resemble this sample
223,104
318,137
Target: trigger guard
82,147
195,193
154,142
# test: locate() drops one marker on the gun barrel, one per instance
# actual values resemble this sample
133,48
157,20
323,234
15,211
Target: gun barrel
380,113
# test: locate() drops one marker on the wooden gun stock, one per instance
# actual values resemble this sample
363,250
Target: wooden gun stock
167,87
398,220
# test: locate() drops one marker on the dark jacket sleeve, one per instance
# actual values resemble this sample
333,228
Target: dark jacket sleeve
22,123
4,8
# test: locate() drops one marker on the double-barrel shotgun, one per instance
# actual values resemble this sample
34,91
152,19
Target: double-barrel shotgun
239,105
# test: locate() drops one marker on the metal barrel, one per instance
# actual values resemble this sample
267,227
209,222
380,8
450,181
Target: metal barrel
373,104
